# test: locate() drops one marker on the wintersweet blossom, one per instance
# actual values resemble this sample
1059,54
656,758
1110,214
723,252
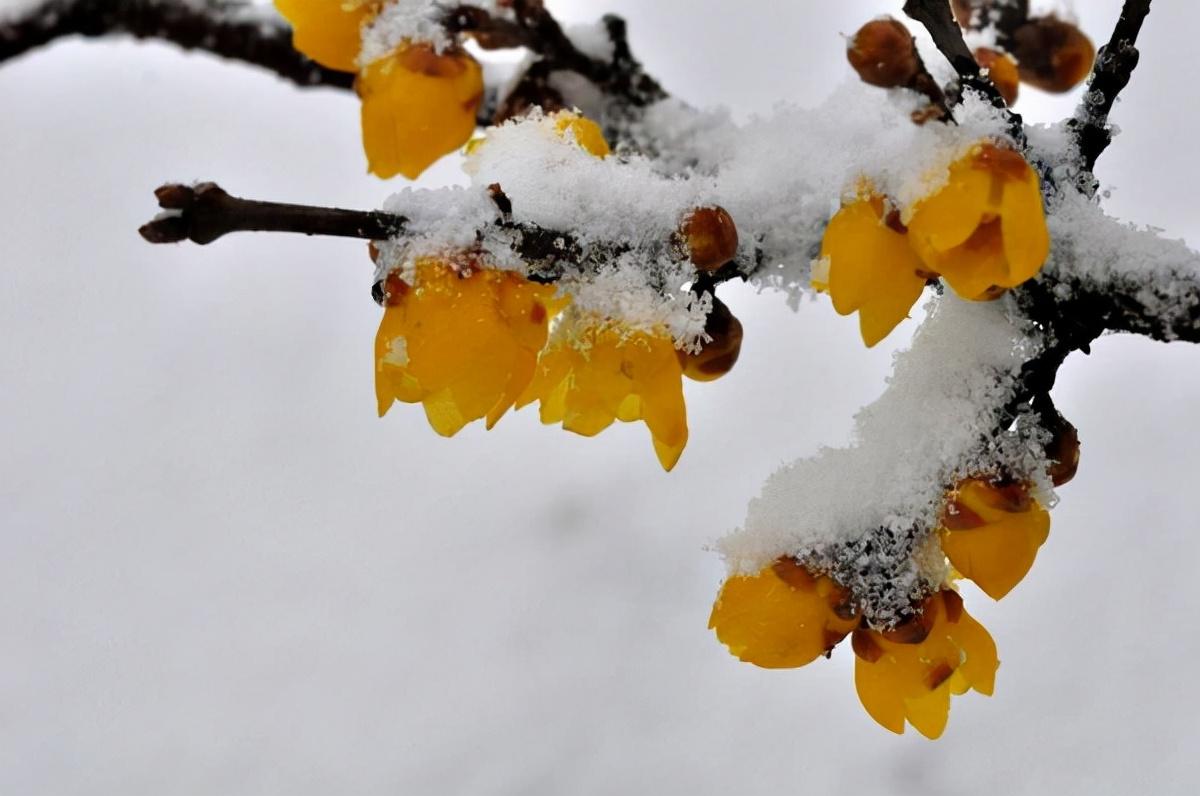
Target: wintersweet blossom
985,229
418,104
462,342
868,266
991,533
595,371
909,673
783,617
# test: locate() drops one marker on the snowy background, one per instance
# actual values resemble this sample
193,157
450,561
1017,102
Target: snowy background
221,574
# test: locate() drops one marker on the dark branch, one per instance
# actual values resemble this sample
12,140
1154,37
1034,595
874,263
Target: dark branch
939,20
1114,69
205,213
229,28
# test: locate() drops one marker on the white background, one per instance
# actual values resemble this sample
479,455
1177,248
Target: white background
221,574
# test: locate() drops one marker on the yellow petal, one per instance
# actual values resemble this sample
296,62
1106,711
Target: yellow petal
328,31
468,343
582,131
999,550
973,268
594,372
871,269
900,676
777,619
417,106
949,216
981,661
878,317
929,712
1026,238
878,696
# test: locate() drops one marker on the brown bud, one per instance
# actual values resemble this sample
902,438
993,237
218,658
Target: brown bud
1052,55
884,54
710,237
1002,71
720,354
1063,451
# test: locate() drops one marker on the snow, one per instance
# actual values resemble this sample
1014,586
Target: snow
928,430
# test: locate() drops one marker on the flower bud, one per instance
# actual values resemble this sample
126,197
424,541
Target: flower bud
1052,55
720,354
710,237
1062,451
884,54
1001,70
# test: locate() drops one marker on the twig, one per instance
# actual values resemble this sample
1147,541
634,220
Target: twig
205,213
1112,73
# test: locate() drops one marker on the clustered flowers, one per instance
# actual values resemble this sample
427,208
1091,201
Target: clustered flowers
469,341
788,615
983,232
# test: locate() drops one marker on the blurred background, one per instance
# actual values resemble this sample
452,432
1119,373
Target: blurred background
221,573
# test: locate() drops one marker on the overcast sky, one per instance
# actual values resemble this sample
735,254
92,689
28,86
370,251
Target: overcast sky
222,574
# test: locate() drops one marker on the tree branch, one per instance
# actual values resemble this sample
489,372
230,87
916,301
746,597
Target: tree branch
232,29
1114,69
205,213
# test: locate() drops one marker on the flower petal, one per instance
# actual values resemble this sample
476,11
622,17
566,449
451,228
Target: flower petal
416,107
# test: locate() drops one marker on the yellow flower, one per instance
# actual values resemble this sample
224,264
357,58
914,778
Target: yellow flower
463,344
991,534
417,105
909,673
783,617
329,31
868,267
596,371
985,229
